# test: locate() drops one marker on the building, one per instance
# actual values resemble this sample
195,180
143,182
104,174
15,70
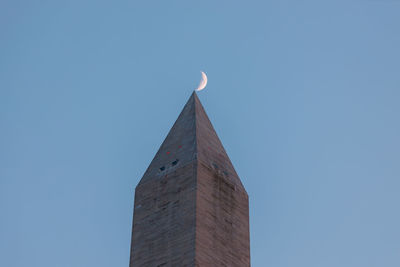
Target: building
191,208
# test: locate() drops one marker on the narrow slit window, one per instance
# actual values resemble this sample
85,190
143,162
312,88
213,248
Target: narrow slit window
175,162
162,168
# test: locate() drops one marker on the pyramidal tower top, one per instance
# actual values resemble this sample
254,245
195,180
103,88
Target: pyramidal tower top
191,208
192,137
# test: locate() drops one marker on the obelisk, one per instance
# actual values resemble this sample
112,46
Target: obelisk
191,208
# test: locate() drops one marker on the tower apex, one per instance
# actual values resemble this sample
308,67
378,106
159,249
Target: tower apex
191,208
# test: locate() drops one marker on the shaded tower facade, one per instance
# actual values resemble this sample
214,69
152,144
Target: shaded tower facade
191,208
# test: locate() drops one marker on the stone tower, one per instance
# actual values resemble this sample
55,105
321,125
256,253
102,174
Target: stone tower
191,208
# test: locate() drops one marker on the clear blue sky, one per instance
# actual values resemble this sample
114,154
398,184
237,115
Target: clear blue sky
305,96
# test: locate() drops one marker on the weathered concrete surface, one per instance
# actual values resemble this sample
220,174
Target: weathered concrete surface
190,207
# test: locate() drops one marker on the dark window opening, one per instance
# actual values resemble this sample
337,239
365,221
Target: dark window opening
162,168
175,162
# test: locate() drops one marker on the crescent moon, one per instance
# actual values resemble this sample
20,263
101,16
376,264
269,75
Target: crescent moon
203,82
